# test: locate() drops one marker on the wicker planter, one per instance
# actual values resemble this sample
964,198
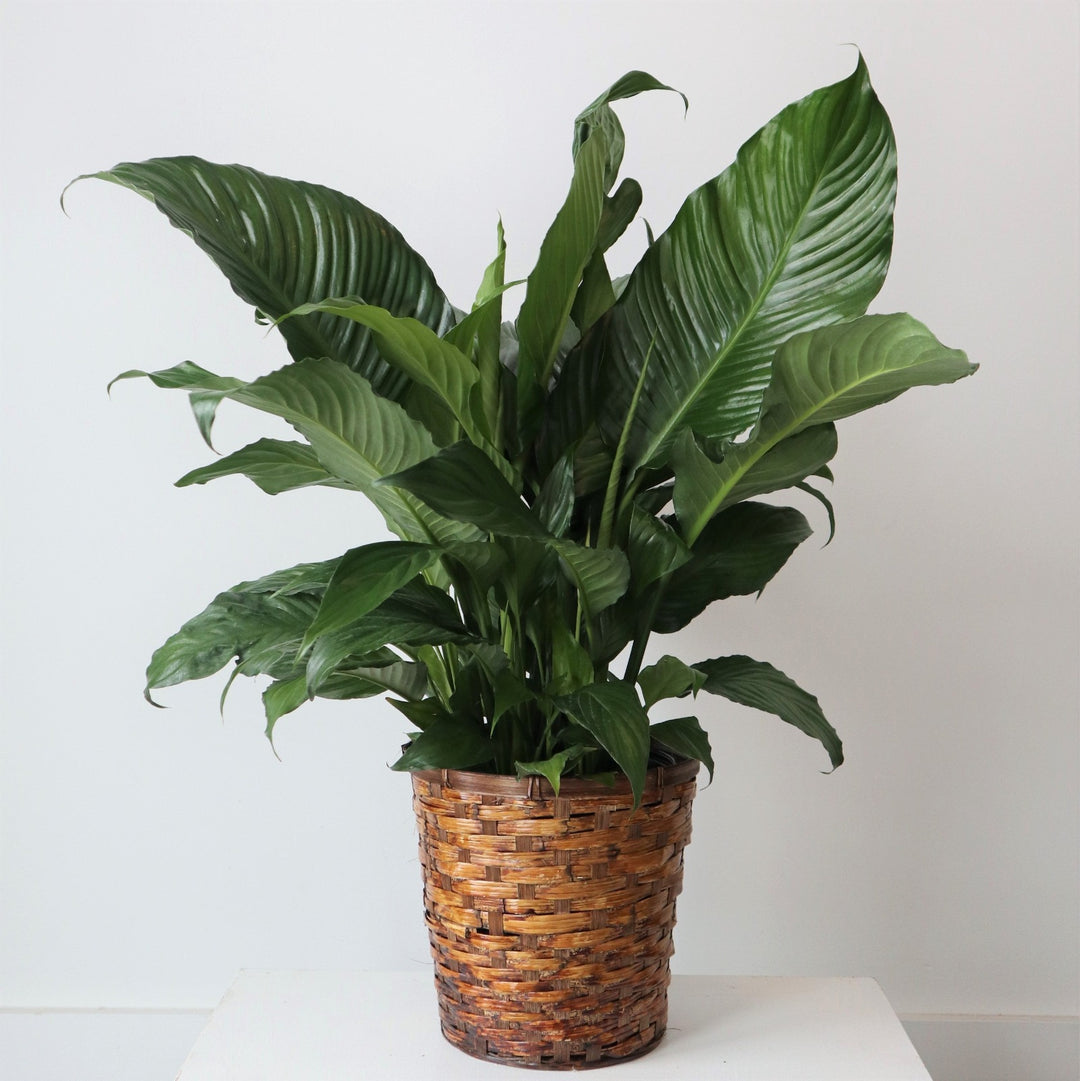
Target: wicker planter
550,919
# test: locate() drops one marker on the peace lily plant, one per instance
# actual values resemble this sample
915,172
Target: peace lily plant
566,485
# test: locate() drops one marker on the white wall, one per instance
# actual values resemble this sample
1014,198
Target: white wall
148,855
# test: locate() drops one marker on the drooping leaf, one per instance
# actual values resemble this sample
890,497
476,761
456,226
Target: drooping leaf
283,243
599,116
552,768
668,678
612,713
251,622
273,464
788,463
749,260
737,554
448,743
760,685
686,737
363,579
825,375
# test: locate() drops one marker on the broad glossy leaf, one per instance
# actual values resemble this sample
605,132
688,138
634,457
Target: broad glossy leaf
795,234
358,436
448,743
685,736
462,483
737,554
612,713
757,684
668,678
416,350
283,243
363,579
273,464
825,375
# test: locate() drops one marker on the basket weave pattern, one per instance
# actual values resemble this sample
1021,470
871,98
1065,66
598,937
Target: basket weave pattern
550,919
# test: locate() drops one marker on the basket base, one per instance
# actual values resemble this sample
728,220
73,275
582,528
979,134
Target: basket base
576,1062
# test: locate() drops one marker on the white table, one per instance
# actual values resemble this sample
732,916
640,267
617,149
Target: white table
347,1026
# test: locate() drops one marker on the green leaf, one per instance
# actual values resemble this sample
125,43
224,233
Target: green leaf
274,465
612,713
601,575
668,678
825,375
788,463
554,281
283,243
261,623
449,743
460,482
416,350
749,260
571,665
654,550
686,737
365,577
418,614
737,554
552,768
598,116
554,504
757,684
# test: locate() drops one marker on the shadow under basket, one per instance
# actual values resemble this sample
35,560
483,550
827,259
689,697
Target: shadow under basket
550,918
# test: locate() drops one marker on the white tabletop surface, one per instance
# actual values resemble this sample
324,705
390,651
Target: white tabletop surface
370,1026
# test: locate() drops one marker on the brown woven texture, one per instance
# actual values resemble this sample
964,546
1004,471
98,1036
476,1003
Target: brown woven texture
550,919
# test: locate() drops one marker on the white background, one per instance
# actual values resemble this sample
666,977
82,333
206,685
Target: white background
148,855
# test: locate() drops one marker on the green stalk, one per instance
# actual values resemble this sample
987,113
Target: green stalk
607,515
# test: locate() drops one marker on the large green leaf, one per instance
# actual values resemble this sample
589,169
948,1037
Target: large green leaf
462,482
363,579
612,713
275,465
419,352
668,678
601,575
358,435
737,554
685,736
757,684
795,234
417,614
817,378
448,743
260,623
283,243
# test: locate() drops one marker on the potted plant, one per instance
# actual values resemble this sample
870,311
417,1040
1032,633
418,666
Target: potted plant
560,488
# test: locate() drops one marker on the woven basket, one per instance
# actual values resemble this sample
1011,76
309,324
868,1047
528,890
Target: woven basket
550,919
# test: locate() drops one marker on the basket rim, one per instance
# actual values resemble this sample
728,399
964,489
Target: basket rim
535,787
